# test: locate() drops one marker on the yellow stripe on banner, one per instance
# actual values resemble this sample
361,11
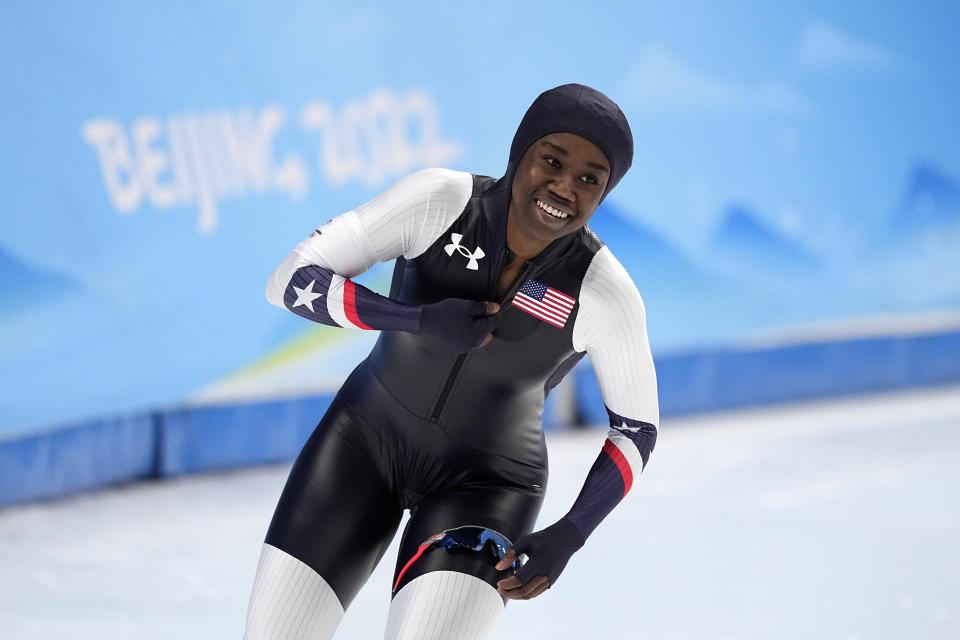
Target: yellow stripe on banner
312,338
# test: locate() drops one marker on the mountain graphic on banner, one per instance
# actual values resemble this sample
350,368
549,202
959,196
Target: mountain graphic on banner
744,241
23,285
677,289
648,257
930,201
915,258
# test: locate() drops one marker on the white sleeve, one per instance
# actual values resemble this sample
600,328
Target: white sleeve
611,327
404,220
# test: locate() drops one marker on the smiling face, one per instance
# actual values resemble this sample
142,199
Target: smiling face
557,186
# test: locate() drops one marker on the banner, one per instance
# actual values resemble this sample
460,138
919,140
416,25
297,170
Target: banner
160,161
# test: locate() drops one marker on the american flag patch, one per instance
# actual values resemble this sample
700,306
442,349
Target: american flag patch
544,302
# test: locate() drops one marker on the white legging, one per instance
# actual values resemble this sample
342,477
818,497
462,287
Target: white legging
291,601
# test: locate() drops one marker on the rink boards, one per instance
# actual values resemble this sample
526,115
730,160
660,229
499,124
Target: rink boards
170,442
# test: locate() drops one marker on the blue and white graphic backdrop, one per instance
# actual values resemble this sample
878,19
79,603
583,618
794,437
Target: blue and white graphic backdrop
796,163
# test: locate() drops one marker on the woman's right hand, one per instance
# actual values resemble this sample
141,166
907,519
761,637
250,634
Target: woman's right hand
466,324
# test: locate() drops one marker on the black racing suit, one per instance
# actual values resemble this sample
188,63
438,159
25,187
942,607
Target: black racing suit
455,437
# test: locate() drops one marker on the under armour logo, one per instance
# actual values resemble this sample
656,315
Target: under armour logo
472,258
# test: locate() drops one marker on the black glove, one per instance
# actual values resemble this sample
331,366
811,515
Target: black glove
548,551
463,323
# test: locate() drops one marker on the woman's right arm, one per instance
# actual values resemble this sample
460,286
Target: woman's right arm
314,281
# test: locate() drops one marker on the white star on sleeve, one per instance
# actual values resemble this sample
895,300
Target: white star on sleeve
306,296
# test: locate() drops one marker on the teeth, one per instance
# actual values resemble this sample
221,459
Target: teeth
556,213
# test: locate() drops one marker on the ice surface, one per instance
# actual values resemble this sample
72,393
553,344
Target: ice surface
830,520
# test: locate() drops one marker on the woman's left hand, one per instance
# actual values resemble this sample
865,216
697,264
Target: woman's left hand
512,587
548,552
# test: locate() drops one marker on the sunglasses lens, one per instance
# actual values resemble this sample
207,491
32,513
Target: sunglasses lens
497,540
475,539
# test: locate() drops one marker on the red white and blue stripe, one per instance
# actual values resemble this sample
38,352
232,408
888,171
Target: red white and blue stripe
625,453
321,295
342,303
544,302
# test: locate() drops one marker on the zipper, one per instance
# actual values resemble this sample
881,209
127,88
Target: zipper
462,358
447,387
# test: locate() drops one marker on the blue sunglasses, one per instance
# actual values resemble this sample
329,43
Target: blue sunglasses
468,538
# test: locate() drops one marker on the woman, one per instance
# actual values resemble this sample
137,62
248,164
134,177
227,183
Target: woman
498,290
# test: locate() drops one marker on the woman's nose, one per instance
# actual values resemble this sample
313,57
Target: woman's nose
562,186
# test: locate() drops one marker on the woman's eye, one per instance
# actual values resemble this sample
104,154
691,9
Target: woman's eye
553,162
589,178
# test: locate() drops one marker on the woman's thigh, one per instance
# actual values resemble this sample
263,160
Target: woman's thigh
509,510
336,513
446,594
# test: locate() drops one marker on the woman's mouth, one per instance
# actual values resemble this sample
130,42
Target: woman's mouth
552,212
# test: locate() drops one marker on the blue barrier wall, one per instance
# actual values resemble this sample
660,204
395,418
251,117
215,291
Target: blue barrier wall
193,439
84,456
219,437
160,444
739,377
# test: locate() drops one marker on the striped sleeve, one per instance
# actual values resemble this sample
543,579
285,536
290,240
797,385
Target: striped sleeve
611,328
314,280
407,218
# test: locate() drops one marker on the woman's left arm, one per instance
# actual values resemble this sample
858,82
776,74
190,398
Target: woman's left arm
611,328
